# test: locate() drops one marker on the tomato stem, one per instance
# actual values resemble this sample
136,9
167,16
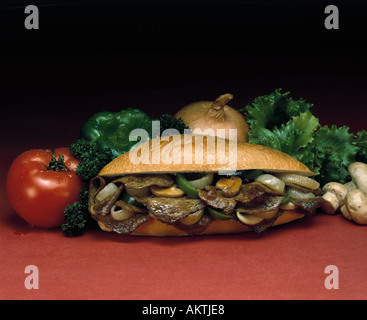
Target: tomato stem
57,164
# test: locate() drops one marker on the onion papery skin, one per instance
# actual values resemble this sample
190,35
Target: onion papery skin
200,116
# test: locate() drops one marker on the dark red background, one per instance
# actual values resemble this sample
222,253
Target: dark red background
160,57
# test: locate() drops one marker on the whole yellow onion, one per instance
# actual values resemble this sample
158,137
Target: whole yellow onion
215,115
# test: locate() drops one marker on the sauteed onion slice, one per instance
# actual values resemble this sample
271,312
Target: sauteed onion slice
119,213
296,179
272,182
297,194
202,182
106,192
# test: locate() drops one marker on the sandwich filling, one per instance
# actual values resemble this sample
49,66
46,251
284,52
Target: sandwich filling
190,202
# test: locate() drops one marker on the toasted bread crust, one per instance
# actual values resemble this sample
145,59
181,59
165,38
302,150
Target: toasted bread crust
177,154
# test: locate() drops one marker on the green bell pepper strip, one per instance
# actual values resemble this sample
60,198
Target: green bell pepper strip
130,200
285,200
112,129
219,215
186,187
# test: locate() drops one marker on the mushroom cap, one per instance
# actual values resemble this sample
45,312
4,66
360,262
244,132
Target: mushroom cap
356,203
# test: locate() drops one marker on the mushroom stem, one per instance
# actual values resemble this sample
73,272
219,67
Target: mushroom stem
331,203
334,195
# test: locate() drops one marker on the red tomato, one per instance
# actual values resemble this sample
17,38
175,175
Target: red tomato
40,194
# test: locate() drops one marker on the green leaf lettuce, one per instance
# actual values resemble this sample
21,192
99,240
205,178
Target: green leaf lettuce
287,125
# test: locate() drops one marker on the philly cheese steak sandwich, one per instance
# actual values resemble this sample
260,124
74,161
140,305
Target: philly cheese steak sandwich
193,185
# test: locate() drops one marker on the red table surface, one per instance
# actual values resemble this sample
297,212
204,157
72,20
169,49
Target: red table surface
285,262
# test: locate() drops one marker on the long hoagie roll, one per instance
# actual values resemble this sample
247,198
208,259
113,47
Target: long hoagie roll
196,185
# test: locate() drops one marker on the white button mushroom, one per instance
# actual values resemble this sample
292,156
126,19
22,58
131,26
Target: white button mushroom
331,203
249,219
350,186
192,218
358,172
350,198
356,206
334,195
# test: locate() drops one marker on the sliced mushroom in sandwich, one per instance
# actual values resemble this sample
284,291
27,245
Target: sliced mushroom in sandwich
171,194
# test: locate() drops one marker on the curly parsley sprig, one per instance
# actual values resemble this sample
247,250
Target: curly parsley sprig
93,159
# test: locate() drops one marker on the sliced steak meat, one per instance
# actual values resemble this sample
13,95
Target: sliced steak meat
146,180
268,203
266,223
212,197
122,205
125,226
309,206
256,194
139,184
170,210
95,186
